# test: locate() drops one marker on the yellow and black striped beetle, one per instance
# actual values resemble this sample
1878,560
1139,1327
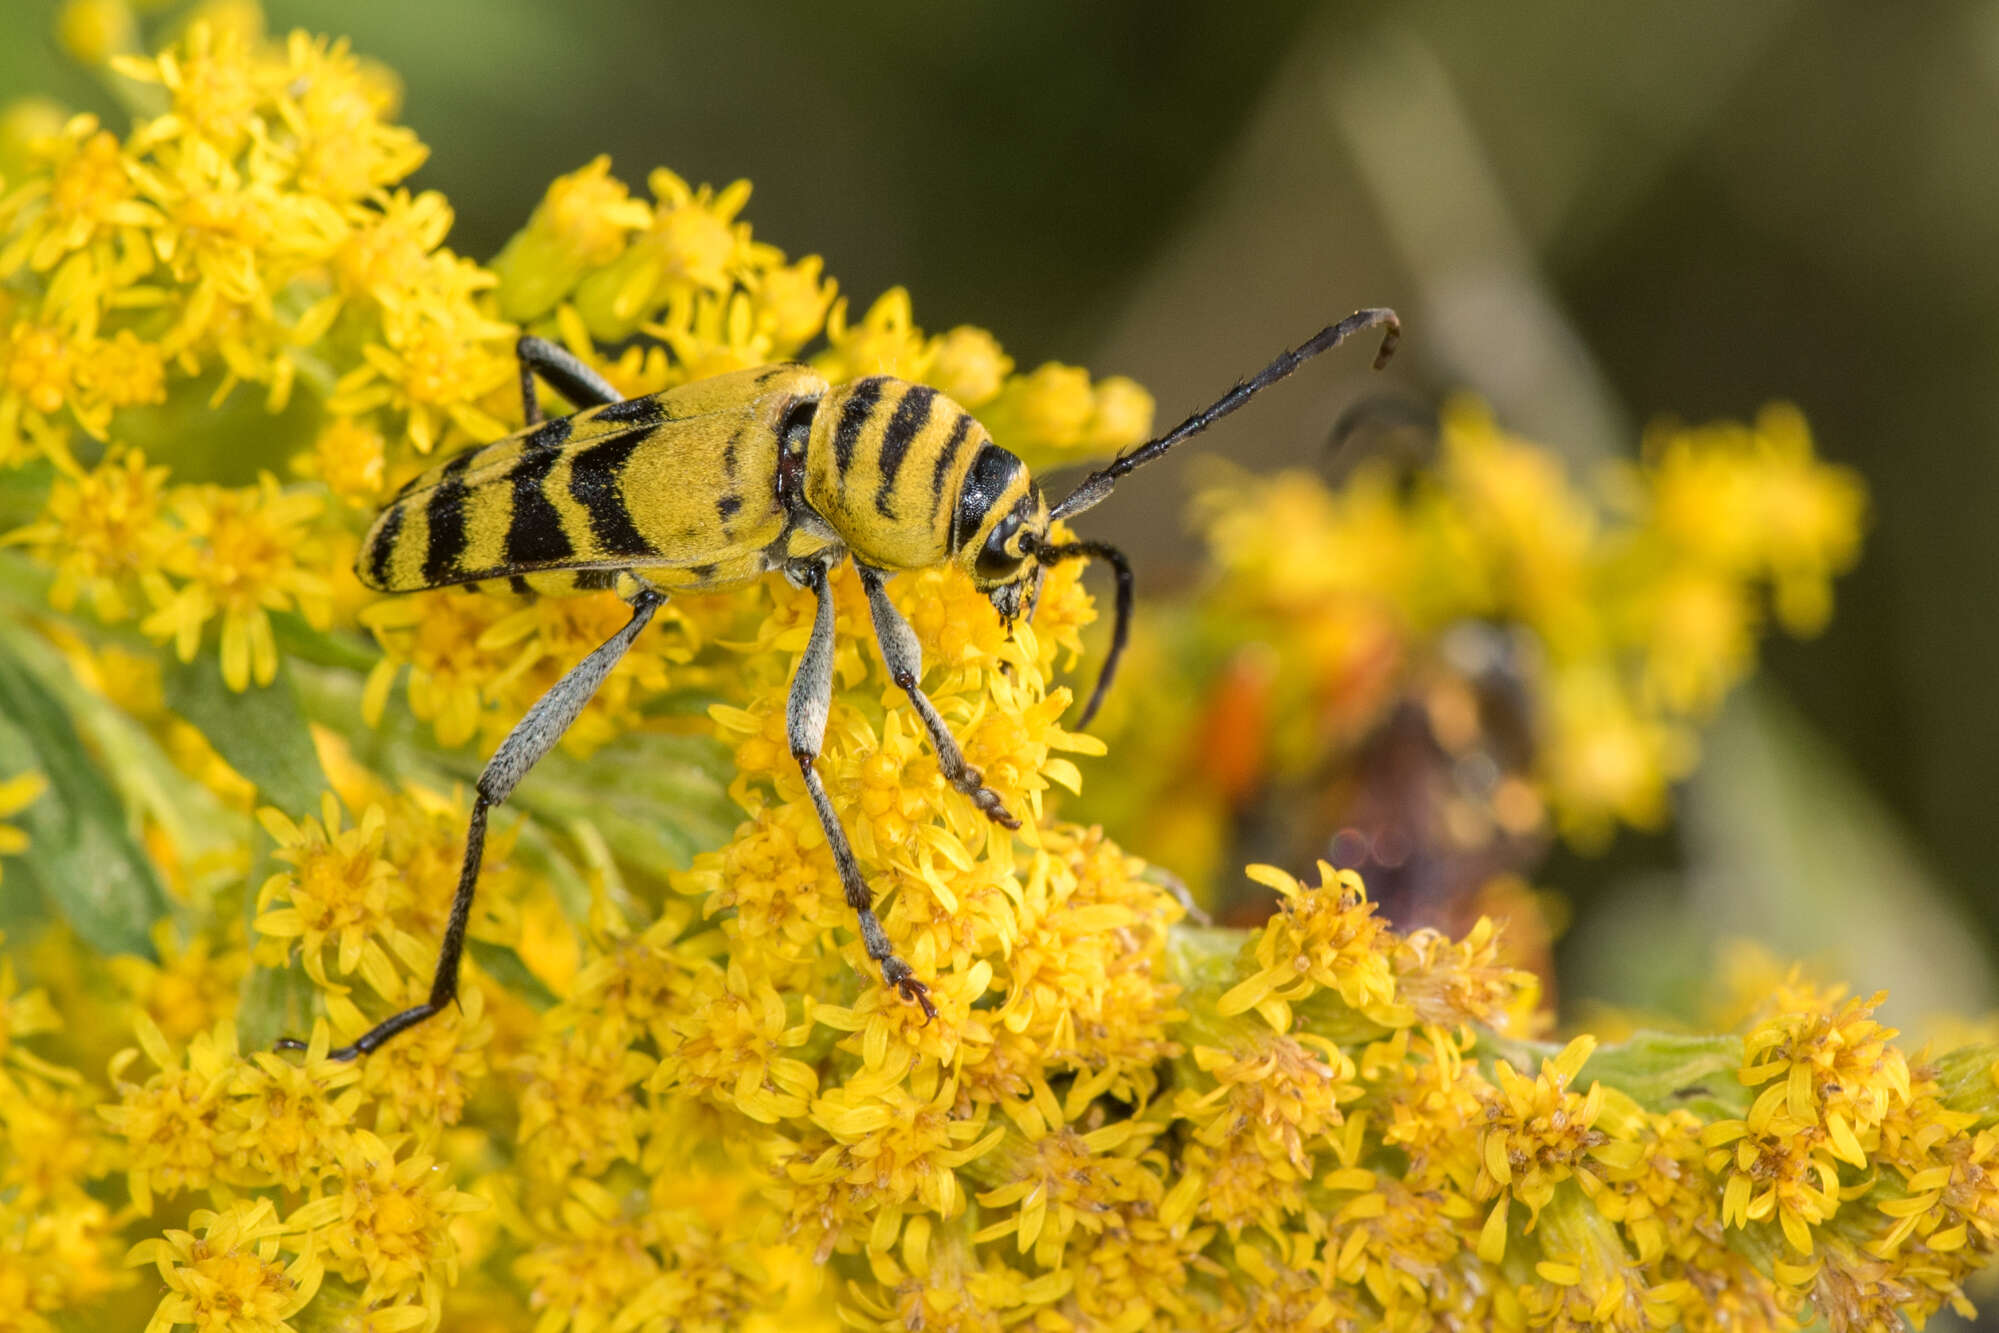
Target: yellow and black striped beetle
717,483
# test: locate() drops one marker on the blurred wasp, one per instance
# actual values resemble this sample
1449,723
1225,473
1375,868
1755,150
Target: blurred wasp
716,483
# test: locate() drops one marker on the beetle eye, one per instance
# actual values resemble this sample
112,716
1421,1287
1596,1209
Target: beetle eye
998,563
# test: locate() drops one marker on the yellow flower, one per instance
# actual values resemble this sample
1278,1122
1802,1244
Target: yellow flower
342,145
892,1142
102,531
390,256
434,366
17,794
389,1225
213,81
53,1261
1397,1242
247,554
736,1051
579,1105
1829,1082
172,1123
1451,982
229,1275
1050,415
1811,519
970,366
1608,758
790,302
590,1267
682,1097
340,891
40,362
1539,1134
1051,407
885,342
350,455
290,1119
427,1077
85,202
194,985
946,1285
693,243
583,222
436,633
1060,1185
92,31
1321,937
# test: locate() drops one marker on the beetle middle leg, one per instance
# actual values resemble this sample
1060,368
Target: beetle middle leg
805,727
904,657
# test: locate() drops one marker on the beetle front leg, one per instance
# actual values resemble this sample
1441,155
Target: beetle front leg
904,657
805,728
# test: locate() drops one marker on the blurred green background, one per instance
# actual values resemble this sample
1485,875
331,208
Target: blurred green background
1592,215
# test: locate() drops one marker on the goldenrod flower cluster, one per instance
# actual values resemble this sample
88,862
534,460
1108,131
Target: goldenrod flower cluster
678,1097
1604,622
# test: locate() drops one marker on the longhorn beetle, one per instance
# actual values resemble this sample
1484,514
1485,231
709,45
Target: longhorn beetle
716,483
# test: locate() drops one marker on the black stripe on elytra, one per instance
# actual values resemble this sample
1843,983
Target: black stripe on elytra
384,546
643,411
949,455
520,586
594,484
456,465
445,511
854,416
550,434
912,414
535,535
728,507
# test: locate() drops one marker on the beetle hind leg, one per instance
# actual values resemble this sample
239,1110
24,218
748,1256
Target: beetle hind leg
532,737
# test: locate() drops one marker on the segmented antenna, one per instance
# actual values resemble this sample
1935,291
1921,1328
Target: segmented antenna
1097,486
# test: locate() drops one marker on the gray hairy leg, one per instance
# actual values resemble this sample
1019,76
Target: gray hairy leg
904,658
532,737
805,726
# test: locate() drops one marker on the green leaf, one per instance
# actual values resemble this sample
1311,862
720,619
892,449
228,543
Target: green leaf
299,639
276,1002
1664,1070
657,801
24,492
81,853
505,966
261,731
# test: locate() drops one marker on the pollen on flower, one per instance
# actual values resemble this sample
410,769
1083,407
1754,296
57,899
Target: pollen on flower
229,1270
1321,937
1538,1134
247,553
340,892
388,1227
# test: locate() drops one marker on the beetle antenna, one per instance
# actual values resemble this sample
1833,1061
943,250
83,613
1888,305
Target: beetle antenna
1121,629
1097,486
